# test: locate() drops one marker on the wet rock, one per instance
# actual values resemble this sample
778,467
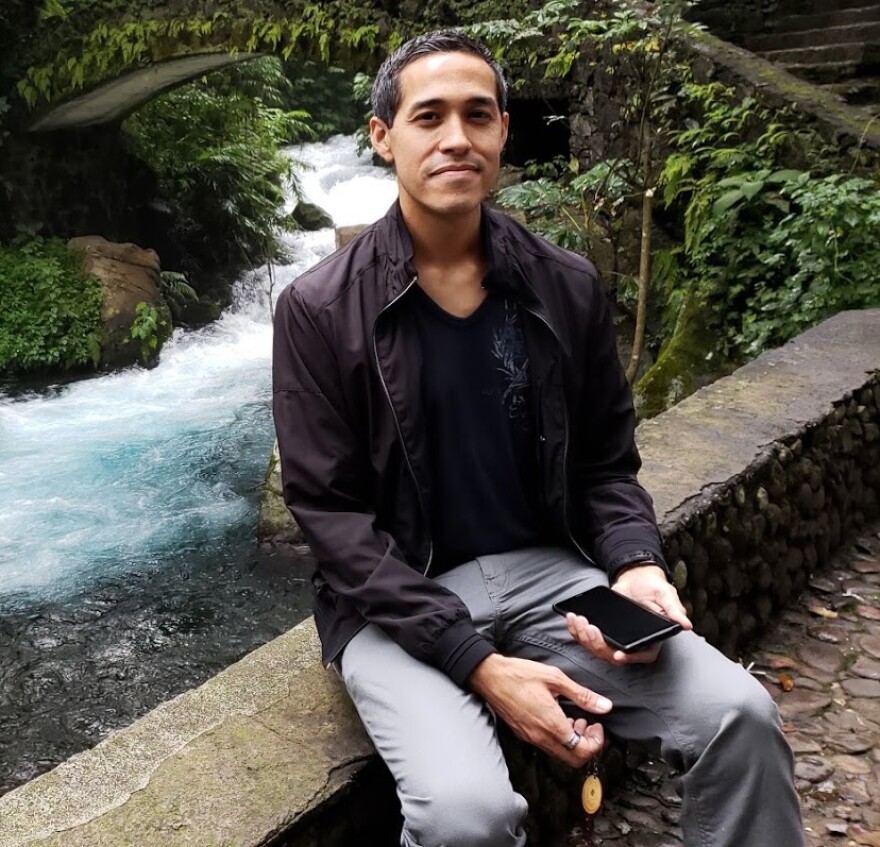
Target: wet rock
801,703
871,645
825,657
865,565
855,791
801,745
851,720
852,765
828,634
866,667
869,613
850,742
862,687
867,708
813,769
823,584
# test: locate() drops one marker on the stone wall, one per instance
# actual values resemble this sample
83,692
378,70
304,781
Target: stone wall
756,479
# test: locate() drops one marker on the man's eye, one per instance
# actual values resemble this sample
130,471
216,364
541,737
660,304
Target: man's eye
481,115
427,116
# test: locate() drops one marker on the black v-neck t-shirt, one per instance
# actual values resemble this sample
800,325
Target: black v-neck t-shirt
480,430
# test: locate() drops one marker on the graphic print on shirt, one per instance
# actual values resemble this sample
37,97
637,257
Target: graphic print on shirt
509,348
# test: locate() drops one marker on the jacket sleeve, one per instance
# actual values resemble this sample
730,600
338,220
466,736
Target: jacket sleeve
620,524
326,478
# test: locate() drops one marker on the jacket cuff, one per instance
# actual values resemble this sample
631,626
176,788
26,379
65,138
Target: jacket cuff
637,557
459,650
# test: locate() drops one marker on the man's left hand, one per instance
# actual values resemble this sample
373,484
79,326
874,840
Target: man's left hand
646,584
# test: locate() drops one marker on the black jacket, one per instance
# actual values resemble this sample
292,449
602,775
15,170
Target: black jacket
347,412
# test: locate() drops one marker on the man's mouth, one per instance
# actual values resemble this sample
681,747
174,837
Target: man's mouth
457,168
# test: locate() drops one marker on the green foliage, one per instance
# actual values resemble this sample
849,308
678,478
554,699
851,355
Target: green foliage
177,292
555,35
50,311
319,32
327,94
214,145
146,328
570,208
771,250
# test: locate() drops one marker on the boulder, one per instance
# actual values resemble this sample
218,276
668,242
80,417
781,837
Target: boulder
311,217
275,524
129,276
346,234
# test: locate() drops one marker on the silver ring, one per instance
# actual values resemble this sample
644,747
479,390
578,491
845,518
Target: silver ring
573,741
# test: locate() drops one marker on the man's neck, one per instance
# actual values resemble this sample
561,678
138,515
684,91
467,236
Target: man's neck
440,241
449,260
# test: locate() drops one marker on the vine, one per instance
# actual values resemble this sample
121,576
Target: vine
108,50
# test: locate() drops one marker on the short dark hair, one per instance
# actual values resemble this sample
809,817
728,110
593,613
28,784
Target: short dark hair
385,98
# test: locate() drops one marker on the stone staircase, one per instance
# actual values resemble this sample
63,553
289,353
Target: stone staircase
832,43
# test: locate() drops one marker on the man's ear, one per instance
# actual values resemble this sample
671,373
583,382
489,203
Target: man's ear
379,139
505,124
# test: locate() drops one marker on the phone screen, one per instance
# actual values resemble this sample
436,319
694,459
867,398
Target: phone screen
623,622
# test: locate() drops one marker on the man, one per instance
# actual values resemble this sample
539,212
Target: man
456,439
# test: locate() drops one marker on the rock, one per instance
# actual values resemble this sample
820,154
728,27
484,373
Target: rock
813,769
129,276
862,688
311,217
871,645
347,234
868,668
801,703
275,524
825,657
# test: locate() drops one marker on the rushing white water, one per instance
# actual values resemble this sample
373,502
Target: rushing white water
138,467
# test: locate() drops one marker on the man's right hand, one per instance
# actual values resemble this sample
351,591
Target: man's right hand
523,694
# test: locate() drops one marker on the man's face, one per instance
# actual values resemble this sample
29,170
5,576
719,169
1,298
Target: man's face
447,136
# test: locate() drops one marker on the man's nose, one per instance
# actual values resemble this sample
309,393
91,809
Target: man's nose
455,136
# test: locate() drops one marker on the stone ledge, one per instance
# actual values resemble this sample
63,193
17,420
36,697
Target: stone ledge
270,752
235,761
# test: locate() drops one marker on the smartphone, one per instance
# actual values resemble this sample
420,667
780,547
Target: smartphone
624,624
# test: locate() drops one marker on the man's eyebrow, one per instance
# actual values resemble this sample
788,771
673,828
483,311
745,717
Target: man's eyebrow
434,102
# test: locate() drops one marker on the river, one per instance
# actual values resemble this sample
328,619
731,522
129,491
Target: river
129,570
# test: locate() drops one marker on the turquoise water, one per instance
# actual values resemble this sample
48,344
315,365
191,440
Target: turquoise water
99,475
129,569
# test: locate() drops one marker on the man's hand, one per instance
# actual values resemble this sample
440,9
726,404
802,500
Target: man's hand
646,584
523,694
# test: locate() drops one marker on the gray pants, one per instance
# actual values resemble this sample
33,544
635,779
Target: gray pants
713,721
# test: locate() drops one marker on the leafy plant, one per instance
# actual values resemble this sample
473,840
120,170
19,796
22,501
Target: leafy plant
215,146
570,208
146,328
635,42
771,250
50,310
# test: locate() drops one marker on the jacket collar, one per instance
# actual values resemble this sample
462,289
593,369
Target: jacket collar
504,272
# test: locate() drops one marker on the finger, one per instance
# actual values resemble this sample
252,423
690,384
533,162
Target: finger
670,605
588,636
588,700
641,657
590,745
580,726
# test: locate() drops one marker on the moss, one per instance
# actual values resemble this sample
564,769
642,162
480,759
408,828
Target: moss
682,362
811,101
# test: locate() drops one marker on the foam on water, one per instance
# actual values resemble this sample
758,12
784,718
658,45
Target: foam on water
112,473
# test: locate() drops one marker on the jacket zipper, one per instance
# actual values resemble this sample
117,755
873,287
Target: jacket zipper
412,282
565,441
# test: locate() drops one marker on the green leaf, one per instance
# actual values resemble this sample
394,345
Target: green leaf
726,201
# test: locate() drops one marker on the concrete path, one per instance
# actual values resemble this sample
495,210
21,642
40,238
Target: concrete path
821,664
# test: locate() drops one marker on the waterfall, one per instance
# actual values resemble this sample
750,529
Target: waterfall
109,474
129,570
